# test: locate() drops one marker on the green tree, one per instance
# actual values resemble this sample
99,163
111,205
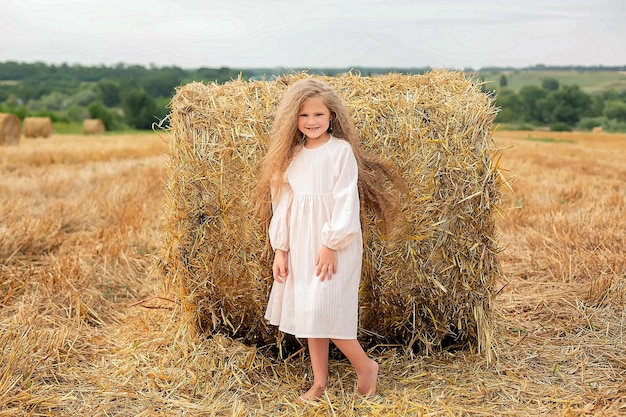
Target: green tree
84,97
529,98
560,127
140,109
597,106
550,84
510,106
566,105
598,101
77,114
98,111
55,101
615,110
503,81
110,92
162,83
13,108
588,123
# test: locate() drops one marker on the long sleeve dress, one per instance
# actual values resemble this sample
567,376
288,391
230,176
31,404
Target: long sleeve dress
318,205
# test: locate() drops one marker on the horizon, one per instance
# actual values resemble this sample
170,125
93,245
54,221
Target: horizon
488,68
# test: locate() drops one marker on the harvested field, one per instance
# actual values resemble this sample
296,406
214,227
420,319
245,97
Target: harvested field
87,329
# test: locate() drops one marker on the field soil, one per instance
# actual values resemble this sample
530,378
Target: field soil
86,327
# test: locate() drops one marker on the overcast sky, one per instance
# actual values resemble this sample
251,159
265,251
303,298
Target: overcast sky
315,33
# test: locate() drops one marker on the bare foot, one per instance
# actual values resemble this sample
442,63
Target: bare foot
366,384
313,394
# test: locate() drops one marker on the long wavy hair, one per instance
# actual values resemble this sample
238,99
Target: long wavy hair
375,192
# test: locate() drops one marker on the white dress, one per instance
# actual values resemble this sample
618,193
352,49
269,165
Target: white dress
318,205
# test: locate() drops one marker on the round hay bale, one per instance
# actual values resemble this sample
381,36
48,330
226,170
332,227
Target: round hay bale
37,127
93,127
9,129
428,285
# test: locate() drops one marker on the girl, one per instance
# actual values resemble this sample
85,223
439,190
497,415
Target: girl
310,188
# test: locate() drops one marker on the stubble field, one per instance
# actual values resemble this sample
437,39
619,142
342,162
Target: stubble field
87,329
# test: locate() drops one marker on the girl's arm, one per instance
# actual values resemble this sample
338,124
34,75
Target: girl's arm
280,269
279,230
345,223
326,263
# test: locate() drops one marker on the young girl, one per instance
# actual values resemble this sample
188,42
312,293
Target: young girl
314,173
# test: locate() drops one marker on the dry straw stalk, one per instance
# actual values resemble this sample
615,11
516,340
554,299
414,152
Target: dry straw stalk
93,127
428,285
9,129
37,127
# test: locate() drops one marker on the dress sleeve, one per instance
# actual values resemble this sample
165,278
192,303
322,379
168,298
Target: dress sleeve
279,224
345,223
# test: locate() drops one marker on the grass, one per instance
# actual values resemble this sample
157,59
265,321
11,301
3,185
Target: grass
86,329
61,128
67,128
548,139
589,81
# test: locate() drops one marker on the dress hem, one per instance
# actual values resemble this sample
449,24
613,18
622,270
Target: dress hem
310,336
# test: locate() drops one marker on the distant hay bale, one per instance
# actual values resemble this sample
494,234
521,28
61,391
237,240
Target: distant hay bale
9,129
37,127
429,285
93,127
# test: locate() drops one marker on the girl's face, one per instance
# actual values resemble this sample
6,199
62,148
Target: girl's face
314,119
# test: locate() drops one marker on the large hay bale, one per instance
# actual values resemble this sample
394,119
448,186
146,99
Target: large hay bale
428,285
9,129
93,127
37,127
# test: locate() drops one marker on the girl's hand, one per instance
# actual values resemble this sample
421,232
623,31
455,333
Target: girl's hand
326,263
280,269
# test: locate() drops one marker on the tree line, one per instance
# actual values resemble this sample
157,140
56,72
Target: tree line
561,107
134,96
123,96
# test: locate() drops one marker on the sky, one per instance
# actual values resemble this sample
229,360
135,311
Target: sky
459,34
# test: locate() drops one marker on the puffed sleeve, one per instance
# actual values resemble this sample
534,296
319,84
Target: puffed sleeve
281,203
345,223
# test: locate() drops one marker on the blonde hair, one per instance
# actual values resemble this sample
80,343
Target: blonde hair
285,139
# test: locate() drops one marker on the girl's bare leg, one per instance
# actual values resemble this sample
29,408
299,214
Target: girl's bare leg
318,350
366,368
